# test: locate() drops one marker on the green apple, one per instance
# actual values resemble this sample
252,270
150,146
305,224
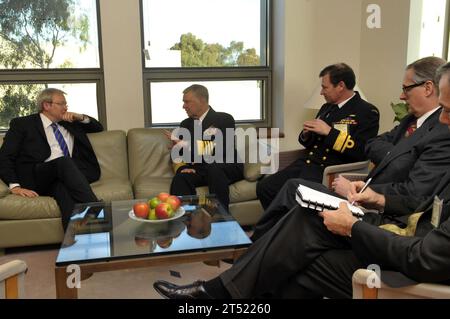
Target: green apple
154,202
152,214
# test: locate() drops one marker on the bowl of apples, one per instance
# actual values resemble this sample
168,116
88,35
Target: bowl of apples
159,209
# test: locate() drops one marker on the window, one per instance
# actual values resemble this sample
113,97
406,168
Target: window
428,29
223,45
50,43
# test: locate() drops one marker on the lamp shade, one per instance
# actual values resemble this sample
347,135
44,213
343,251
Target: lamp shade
316,100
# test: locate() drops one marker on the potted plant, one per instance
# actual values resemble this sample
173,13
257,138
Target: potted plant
400,109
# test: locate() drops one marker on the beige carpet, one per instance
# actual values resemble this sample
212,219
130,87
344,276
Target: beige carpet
123,284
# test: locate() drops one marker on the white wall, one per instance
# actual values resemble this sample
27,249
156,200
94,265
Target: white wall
308,35
317,33
121,39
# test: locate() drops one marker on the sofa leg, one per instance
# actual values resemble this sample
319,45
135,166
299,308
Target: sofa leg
2,251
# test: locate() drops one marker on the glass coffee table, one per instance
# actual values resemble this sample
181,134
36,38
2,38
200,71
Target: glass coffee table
107,236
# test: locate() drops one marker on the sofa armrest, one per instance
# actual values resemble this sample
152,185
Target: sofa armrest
12,279
332,171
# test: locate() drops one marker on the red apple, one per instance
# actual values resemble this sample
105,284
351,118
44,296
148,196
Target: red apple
141,210
164,211
163,196
173,201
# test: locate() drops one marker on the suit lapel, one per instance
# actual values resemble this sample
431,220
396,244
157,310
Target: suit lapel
406,144
40,127
208,120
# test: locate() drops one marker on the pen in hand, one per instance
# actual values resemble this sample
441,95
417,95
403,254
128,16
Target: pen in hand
363,189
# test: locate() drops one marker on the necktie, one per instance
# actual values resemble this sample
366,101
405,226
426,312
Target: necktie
411,128
60,139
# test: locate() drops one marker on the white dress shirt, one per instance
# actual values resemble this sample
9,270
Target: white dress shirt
55,149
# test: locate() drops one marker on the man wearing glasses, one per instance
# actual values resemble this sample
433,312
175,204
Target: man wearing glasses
412,157
49,154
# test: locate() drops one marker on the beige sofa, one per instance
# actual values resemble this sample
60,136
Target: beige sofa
134,165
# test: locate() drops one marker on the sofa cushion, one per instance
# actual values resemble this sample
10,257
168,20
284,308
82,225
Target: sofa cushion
113,189
148,155
18,207
148,187
110,147
239,192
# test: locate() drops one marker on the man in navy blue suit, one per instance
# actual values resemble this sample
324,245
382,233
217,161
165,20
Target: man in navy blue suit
49,153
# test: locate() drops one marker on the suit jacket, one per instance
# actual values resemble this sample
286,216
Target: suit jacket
26,145
352,126
213,122
414,165
424,257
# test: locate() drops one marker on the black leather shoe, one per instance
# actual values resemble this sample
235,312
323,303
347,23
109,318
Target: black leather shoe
168,290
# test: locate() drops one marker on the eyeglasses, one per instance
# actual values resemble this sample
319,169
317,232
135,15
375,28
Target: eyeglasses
60,103
408,88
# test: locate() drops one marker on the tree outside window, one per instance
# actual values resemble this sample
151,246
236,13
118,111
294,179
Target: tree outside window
38,35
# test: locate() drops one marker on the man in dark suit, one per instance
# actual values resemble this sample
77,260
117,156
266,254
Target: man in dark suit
307,255
413,157
338,135
202,142
49,154
408,165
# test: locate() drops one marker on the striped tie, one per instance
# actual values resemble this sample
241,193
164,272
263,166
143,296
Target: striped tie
60,139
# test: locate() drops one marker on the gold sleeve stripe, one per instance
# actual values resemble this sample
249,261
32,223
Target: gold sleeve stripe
340,141
176,166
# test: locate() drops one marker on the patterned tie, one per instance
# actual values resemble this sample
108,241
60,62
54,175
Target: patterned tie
60,139
411,128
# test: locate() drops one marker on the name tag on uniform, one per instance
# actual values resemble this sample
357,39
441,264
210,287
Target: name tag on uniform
341,127
437,211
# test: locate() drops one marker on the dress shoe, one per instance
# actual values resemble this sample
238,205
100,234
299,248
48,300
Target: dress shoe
168,290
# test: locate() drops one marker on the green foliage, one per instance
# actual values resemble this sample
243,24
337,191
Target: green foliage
30,33
400,110
17,100
196,53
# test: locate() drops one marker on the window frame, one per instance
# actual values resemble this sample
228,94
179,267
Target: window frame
446,44
64,75
177,74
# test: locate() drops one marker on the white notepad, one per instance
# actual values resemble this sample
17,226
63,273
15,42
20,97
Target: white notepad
310,198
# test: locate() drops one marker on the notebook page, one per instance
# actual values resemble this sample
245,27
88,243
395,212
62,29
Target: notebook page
309,197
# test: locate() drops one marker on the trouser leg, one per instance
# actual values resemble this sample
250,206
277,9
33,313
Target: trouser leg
185,183
268,187
220,176
62,180
283,202
330,275
286,249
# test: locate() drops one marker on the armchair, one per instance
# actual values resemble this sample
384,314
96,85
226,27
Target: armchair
351,169
422,290
12,276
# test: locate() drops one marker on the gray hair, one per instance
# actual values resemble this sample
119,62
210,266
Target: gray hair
46,96
425,70
443,70
199,91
